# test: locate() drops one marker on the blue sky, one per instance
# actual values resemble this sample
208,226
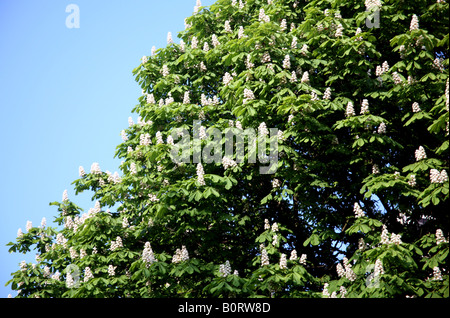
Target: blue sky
65,95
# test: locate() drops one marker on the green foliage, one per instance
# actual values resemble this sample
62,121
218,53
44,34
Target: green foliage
333,153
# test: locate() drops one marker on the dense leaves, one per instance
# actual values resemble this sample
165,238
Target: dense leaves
353,104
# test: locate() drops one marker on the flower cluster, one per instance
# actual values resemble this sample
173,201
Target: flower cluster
394,239
180,255
440,237
88,274
438,177
420,154
228,163
225,269
414,25
327,94
415,107
287,62
200,174
248,95
364,107
227,78
358,211
263,17
116,244
95,168
147,254
264,258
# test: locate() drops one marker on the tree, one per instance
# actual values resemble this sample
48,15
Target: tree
358,153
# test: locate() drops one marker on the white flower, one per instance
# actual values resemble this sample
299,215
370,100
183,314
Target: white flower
358,211
145,139
415,107
266,224
125,223
111,270
302,260
133,169
264,258
327,94
144,59
228,27
293,256
169,38
23,266
293,77
325,292
304,50
364,107
276,183
19,233
202,66
184,254
438,177
225,269
262,130
349,273
124,135
395,239
65,197
349,111
248,62
202,133
165,70
159,139
87,274
358,31
248,95
379,270
305,77
287,62
206,47
283,261
397,79
440,237
153,198
150,99
73,253
420,154
241,32
81,171
414,23
437,273
95,168
215,40
147,254
375,169
382,128
314,96
194,42
266,58
340,270
283,25
29,226
262,16
227,78
412,180
200,174
339,30
116,244
228,163
275,227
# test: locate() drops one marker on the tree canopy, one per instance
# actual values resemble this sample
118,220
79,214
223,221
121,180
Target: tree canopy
355,204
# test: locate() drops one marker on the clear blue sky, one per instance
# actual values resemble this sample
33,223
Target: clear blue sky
65,95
